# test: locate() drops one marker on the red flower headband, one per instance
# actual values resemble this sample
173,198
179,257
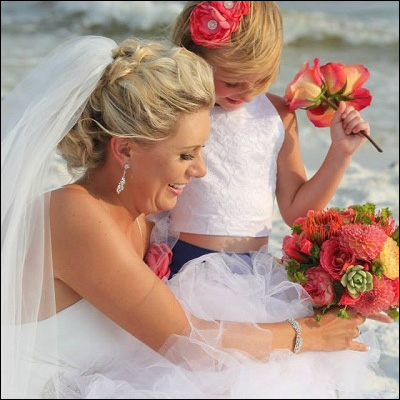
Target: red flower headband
213,22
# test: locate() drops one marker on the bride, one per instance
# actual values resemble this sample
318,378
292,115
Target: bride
83,316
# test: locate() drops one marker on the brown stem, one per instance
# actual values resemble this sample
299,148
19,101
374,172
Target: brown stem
363,133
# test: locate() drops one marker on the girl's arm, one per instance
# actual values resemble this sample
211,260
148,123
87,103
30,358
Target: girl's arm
295,193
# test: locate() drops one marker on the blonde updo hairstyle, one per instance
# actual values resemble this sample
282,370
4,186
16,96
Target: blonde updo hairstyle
140,96
254,49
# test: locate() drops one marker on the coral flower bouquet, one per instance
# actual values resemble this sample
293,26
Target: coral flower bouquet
346,258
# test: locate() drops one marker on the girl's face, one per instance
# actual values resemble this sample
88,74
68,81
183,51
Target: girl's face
232,92
164,168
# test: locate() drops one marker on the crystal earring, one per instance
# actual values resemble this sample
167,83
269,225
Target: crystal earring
121,183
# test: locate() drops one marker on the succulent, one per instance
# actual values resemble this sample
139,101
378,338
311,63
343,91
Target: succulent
356,280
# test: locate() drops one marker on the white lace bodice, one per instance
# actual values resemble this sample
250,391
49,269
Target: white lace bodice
236,197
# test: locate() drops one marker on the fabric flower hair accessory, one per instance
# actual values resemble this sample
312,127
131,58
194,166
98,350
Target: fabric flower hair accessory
213,22
319,89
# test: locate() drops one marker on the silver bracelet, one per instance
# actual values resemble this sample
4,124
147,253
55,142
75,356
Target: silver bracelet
299,341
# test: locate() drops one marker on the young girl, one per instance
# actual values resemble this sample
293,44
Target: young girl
253,152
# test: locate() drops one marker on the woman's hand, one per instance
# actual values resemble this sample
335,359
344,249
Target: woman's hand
332,333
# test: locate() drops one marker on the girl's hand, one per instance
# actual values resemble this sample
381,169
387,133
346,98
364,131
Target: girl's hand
345,125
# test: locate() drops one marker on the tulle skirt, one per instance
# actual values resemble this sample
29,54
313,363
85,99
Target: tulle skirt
228,290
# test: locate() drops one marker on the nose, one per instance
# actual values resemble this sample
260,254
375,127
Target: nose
198,168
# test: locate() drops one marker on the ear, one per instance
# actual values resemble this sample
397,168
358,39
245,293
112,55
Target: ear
121,150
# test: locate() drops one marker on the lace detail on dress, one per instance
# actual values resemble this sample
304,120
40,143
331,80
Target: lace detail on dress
236,197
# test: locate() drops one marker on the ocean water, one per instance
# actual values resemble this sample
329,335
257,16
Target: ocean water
349,32
339,31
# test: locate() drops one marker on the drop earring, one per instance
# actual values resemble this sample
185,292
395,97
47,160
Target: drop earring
121,183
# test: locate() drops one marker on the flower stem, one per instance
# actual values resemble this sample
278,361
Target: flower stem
363,133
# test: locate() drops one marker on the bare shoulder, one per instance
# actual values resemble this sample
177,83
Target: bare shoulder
71,198
288,117
74,212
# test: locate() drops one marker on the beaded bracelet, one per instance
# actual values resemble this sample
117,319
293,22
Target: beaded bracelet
299,341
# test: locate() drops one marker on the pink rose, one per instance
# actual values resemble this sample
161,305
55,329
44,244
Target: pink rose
158,258
306,88
208,27
334,258
297,248
344,81
319,286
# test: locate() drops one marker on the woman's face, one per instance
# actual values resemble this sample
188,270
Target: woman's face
160,172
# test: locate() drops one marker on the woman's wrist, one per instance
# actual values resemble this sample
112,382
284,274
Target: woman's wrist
298,341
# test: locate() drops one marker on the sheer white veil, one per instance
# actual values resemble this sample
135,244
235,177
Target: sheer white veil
35,117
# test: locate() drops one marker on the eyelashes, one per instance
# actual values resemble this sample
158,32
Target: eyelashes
186,157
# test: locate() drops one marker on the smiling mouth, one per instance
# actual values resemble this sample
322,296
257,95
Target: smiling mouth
176,186
234,101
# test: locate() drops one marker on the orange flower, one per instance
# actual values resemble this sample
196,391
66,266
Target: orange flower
321,225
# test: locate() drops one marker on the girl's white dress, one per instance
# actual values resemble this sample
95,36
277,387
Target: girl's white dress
98,359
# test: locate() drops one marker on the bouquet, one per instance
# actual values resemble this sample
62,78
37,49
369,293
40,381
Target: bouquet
346,258
319,89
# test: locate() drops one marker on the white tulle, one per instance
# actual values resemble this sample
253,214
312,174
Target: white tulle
35,117
104,361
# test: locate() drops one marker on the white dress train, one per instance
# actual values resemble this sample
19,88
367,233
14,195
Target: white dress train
98,359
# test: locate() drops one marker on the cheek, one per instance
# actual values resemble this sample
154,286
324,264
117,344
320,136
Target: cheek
221,90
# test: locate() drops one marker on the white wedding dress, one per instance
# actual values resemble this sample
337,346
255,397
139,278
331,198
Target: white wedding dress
98,359
79,352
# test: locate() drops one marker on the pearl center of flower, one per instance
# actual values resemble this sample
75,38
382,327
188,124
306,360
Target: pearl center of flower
228,4
212,24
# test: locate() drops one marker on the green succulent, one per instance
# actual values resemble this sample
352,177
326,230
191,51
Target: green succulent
356,280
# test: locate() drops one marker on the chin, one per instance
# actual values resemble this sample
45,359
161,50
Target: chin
229,106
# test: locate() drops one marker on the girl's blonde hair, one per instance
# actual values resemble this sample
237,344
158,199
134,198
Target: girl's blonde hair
254,49
140,96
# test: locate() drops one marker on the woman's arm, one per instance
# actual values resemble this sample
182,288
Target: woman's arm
94,257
